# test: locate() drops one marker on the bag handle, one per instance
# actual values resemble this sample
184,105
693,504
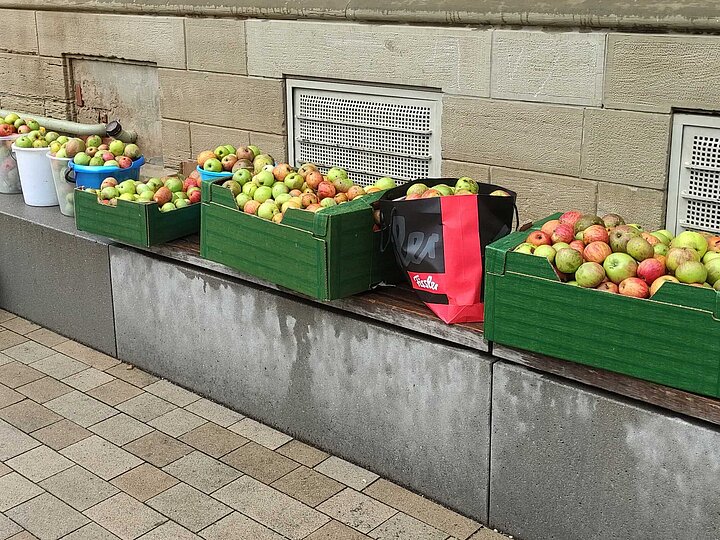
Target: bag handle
385,236
517,216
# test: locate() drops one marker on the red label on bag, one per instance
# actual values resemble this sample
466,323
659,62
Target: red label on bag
427,282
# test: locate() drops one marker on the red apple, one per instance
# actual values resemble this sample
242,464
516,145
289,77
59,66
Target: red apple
595,233
714,243
578,245
537,238
570,217
124,162
413,196
608,286
562,233
650,269
549,227
430,193
597,252
660,281
194,197
326,189
635,287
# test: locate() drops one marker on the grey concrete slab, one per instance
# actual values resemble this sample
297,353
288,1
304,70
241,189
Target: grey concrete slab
571,462
406,406
54,275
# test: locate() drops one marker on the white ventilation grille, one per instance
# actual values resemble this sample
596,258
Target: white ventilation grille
370,131
694,184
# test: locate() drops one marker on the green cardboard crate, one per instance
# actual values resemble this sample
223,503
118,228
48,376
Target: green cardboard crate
671,339
138,224
325,255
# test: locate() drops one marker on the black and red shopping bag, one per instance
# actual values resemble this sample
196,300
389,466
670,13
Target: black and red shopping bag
439,243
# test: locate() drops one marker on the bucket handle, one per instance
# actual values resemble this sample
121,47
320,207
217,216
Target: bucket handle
70,175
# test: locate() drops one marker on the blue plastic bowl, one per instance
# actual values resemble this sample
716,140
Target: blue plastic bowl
209,176
92,177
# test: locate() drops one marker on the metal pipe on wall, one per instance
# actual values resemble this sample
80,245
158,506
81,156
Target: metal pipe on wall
113,129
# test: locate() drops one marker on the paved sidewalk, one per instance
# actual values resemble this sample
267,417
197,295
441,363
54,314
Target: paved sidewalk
93,449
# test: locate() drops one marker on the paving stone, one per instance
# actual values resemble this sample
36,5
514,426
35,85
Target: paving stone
23,536
133,375
16,374
79,488
4,359
260,463
308,486
215,413
88,379
487,534
214,440
168,531
263,503
39,463
347,473
47,517
46,337
59,366
28,415
20,325
260,433
238,527
172,393
4,469
14,489
91,531
28,352
8,396
115,392
121,429
14,442
404,527
6,316
125,517
61,434
302,453
334,530
44,389
88,356
8,527
80,408
177,422
158,449
146,407
10,339
189,507
422,509
101,457
144,482
202,472
357,510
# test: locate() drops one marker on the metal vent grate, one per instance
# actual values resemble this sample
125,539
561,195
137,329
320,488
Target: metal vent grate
369,131
694,182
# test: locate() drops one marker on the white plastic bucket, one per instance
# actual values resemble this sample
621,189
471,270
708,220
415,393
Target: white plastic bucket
36,176
63,188
9,177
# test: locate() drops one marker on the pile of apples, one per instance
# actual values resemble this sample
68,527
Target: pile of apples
169,193
464,186
12,124
228,158
96,152
273,189
609,255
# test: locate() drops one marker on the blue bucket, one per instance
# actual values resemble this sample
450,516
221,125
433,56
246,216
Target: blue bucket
92,177
209,176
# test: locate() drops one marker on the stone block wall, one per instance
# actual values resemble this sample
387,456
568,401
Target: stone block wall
566,118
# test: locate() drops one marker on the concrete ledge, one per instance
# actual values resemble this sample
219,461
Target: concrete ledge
55,275
412,409
567,459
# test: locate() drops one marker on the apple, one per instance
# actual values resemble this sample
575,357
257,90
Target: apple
619,240
545,251
586,221
385,183
549,227
174,184
634,287
567,260
236,188
676,256
126,187
124,162
281,171
221,152
690,239
650,269
117,148
109,192
23,142
717,285
444,190
578,245
608,286
590,275
713,269
242,176
691,272
570,217
714,244
465,182
430,193
612,220
597,252
525,247
241,200
267,209
639,248
709,256
282,198
538,238
228,162
562,233
279,189
620,266
500,193
108,182
264,178
251,207
307,199
262,194
660,249
326,190
313,178
659,283
294,180
81,158
213,165
557,246
595,233
662,237
415,189
354,192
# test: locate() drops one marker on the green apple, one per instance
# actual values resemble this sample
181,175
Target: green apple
385,183
116,148
154,183
94,140
690,239
279,189
19,122
282,198
23,142
81,158
182,195
111,163
61,154
32,124
167,207
62,139
249,189
241,200
109,193
141,188
230,148
96,161
40,143
660,235
174,184
709,256
444,190
51,136
182,203
34,135
221,152
55,147
255,150
242,176
262,194
467,183
127,197
267,209
146,196
233,186
264,178
127,186
213,165
12,118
